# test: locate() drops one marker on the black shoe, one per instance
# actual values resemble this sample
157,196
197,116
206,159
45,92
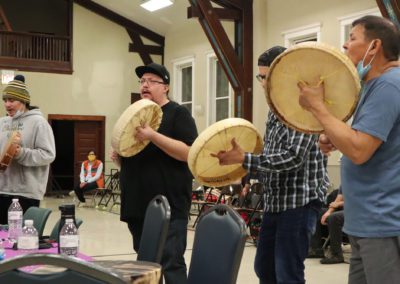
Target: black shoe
316,253
80,196
332,259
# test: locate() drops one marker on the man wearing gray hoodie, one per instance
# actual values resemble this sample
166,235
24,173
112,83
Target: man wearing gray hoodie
26,176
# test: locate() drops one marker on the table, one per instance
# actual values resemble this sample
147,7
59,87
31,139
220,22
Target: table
134,272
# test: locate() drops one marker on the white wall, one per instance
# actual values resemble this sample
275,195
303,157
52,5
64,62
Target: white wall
104,77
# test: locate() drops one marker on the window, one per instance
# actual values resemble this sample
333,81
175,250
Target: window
220,103
302,34
345,23
183,82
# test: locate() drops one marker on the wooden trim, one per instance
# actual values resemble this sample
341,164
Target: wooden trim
118,19
36,65
76,117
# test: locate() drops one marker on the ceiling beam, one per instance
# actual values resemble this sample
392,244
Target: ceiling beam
118,19
236,61
222,13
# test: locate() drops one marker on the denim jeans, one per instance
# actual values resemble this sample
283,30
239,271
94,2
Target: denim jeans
283,244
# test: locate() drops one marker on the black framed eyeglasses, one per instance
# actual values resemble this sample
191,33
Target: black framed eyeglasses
261,77
149,82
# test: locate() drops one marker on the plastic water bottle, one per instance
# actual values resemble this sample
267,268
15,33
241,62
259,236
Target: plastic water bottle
29,238
14,220
69,238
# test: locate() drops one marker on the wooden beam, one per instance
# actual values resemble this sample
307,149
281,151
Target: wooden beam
222,13
151,49
390,9
4,20
118,19
144,54
237,62
239,4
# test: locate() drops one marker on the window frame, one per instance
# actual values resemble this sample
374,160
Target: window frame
178,66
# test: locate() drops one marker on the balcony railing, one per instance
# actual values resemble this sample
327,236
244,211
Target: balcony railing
35,52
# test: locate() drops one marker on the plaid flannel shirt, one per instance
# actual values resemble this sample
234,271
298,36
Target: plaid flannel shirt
291,166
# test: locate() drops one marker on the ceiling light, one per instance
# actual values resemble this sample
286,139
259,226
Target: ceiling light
153,5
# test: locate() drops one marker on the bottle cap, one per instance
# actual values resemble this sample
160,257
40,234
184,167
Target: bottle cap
15,200
28,222
69,220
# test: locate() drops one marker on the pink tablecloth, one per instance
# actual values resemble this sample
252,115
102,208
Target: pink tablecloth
10,252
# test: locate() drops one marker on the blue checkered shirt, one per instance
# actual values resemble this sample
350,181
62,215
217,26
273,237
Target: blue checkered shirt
292,167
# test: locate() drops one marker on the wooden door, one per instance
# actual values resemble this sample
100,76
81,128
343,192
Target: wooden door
87,137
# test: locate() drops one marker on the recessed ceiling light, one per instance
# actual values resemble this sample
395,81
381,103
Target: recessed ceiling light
153,5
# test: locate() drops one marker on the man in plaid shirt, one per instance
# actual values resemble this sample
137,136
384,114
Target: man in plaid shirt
294,174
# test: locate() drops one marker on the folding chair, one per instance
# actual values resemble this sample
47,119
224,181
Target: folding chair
39,217
155,230
252,209
77,271
111,184
218,246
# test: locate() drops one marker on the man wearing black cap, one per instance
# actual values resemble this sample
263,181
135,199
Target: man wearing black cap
27,174
293,171
160,168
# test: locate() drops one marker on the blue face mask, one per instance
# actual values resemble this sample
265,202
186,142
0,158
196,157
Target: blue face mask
361,69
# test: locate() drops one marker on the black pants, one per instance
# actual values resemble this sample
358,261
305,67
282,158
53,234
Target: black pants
173,261
6,200
80,191
333,229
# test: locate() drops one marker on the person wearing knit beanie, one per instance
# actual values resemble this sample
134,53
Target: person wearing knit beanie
16,89
27,173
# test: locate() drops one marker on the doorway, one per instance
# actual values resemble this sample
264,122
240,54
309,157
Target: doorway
75,136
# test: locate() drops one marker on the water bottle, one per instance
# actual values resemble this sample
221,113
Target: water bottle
14,220
67,212
69,238
29,239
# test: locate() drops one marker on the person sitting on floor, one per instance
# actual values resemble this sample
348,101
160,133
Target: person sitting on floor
91,176
333,218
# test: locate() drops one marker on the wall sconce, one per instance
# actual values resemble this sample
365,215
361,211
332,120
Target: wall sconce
153,5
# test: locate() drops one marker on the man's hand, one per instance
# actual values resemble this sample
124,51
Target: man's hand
233,156
325,145
311,97
144,132
325,216
82,184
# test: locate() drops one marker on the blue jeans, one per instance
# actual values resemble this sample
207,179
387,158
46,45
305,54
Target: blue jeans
283,244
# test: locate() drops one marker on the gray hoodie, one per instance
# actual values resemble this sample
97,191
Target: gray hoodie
28,172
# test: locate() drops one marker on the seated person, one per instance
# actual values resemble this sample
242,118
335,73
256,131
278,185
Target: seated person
333,218
91,176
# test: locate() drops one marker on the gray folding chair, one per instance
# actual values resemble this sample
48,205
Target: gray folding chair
77,271
218,246
155,229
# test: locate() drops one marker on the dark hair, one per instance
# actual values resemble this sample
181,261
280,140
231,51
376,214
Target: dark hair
269,55
29,107
383,29
91,151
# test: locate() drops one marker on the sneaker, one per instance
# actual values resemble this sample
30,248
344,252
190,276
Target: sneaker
332,259
316,253
72,193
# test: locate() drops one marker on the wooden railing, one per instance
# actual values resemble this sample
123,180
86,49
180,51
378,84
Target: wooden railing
40,52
